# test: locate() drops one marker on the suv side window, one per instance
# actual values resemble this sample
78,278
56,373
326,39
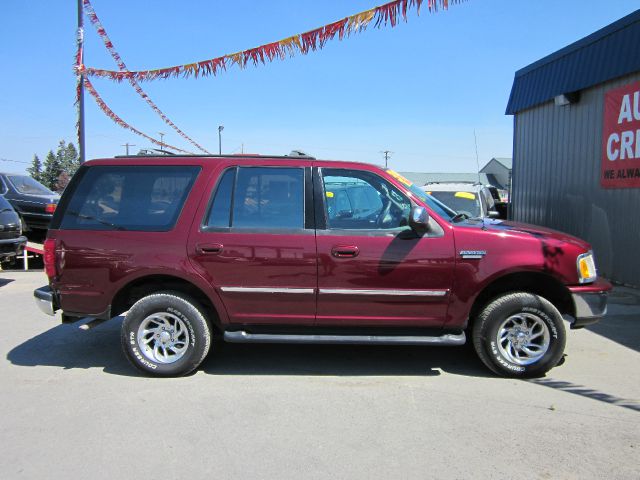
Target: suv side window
129,198
3,187
220,211
259,197
373,203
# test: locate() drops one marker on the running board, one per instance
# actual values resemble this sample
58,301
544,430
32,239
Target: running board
245,337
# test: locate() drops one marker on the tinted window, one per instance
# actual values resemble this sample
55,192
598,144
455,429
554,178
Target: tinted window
269,197
362,200
220,213
129,198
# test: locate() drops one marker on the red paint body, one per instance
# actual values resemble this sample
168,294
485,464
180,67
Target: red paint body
92,267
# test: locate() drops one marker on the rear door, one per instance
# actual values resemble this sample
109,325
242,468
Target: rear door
256,243
373,269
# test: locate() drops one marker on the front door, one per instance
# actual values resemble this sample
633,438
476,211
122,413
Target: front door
257,247
373,270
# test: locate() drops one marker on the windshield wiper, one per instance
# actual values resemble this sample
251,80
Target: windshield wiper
89,217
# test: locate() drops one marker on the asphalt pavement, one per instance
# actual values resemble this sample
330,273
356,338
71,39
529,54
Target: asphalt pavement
72,407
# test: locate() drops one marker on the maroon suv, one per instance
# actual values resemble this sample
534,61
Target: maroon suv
297,250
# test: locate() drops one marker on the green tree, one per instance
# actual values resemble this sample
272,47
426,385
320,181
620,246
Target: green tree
35,170
52,170
71,161
58,167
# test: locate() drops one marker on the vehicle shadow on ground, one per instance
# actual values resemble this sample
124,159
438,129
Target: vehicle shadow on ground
342,360
587,392
5,281
622,323
68,347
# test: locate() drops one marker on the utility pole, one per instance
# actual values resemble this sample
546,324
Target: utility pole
161,140
220,128
127,145
80,80
387,156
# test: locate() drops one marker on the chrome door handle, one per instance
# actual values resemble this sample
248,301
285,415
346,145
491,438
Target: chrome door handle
345,251
209,248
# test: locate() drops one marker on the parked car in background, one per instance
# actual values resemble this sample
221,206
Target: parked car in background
471,199
33,202
11,240
501,199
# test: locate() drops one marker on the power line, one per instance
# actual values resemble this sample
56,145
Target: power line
13,161
127,145
387,156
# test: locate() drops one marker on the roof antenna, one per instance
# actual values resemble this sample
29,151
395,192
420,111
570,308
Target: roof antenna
477,161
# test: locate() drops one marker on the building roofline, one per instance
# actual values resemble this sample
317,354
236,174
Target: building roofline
604,55
582,43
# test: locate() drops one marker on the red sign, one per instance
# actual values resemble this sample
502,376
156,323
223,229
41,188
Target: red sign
621,138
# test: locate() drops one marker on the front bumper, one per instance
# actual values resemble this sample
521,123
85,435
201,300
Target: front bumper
10,247
590,302
46,300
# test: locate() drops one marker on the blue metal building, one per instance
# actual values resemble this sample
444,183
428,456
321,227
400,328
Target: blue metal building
558,104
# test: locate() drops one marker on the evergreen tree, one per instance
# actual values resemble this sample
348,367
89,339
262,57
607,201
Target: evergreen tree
58,167
35,170
52,170
71,160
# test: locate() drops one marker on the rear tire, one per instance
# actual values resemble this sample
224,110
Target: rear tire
519,335
166,334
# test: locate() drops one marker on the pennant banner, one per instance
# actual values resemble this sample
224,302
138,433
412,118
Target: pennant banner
110,113
95,21
390,13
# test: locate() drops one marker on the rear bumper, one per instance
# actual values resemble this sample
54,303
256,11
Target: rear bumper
590,302
46,300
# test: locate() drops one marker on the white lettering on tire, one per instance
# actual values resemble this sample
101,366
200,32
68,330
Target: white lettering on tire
137,354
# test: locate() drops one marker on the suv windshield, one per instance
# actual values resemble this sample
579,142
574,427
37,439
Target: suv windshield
28,186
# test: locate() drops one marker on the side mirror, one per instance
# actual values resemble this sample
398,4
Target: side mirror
493,214
419,219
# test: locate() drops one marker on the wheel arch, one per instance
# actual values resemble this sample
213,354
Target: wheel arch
140,287
537,283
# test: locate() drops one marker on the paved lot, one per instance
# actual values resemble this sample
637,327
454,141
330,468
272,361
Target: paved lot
70,406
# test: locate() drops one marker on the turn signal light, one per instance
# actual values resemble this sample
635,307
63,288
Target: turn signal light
586,268
50,208
50,258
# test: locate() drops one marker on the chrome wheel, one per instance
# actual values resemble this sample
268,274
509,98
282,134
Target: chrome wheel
523,338
163,337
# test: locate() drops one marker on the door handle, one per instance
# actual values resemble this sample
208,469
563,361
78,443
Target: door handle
345,251
209,248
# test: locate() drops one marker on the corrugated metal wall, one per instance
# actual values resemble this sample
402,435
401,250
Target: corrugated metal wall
556,181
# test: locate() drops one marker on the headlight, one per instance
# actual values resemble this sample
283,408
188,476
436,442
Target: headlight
586,268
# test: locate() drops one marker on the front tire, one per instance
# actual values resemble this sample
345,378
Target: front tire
166,334
519,335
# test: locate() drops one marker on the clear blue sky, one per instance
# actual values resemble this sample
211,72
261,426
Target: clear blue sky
419,89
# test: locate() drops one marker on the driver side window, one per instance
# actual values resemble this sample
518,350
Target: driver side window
359,200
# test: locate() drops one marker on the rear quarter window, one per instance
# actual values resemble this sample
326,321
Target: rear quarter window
138,198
